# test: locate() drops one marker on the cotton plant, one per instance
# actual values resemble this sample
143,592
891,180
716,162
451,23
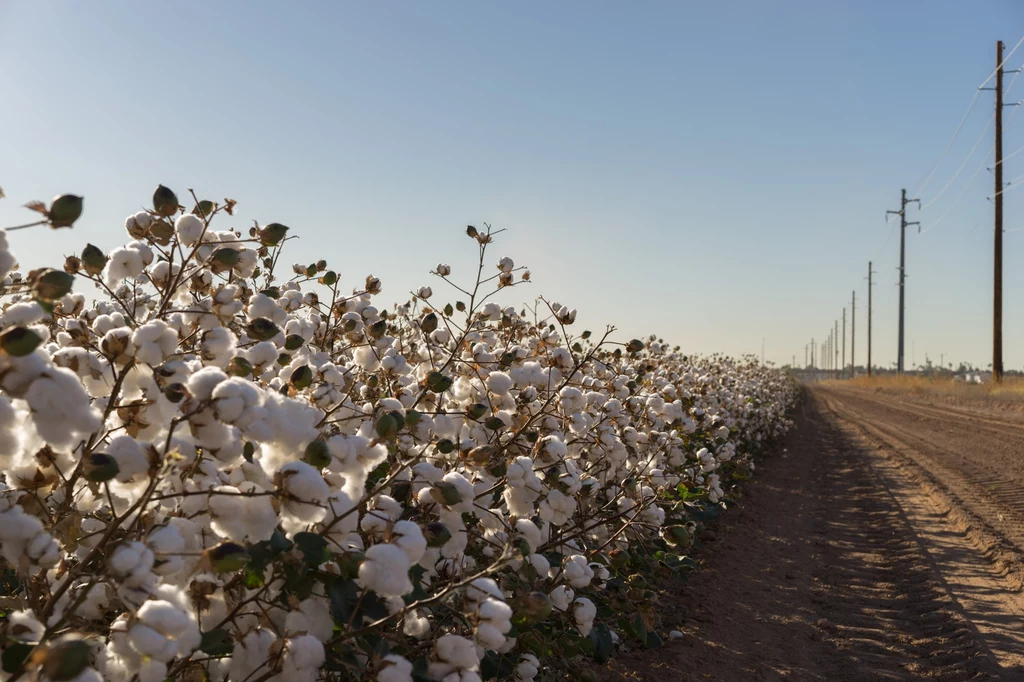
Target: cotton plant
216,465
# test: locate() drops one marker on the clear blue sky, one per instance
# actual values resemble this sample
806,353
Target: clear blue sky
712,172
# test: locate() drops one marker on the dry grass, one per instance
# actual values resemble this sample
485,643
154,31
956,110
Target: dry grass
1012,388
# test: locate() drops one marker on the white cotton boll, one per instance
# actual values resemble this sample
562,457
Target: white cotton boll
408,537
499,383
386,571
415,625
24,313
394,668
7,259
494,621
506,264
306,490
577,572
527,668
131,558
149,642
166,542
233,397
530,532
24,627
152,670
138,223
557,508
303,656
154,342
540,564
312,617
366,358
217,346
583,613
246,264
250,653
201,384
61,408
561,597
131,459
123,263
453,653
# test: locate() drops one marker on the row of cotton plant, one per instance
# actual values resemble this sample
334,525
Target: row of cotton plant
217,466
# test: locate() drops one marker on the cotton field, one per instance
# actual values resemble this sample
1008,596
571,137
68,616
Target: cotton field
218,465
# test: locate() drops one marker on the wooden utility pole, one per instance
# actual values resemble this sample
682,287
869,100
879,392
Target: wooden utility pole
903,247
853,334
842,367
835,367
997,288
870,271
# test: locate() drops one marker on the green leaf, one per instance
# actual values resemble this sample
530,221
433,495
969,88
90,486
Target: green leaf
601,636
705,514
344,595
654,640
638,628
373,607
216,642
14,655
313,548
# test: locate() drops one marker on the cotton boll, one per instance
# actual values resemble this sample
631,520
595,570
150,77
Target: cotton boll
529,532
557,508
250,653
385,570
408,537
152,670
394,668
61,408
166,542
561,597
154,342
576,571
583,613
415,625
303,656
122,263
493,622
313,617
527,668
306,491
453,653
201,384
132,460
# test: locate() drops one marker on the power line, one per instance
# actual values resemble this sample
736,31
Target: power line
1002,63
970,108
945,213
961,168
958,196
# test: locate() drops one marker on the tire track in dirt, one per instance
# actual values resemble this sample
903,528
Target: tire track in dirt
980,565
821,576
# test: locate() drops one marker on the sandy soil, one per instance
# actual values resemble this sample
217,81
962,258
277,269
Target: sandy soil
883,544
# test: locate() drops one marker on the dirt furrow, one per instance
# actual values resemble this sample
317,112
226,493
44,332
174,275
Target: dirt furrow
838,566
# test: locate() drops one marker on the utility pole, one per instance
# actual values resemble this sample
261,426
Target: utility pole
997,270
903,244
842,367
853,334
870,271
835,348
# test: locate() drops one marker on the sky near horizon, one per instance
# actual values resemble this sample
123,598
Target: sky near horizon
714,173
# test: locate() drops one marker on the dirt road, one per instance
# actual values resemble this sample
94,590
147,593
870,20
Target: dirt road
884,544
